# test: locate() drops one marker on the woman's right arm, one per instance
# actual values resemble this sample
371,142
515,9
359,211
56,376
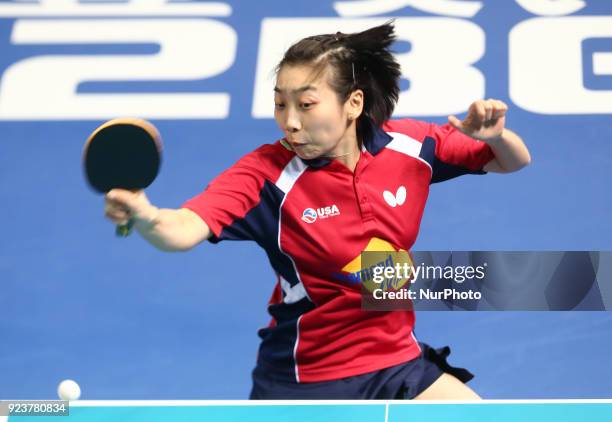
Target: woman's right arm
166,229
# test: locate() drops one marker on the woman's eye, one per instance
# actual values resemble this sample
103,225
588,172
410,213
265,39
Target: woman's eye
279,106
306,105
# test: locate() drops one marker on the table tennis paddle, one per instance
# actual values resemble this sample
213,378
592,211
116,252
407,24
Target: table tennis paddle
122,153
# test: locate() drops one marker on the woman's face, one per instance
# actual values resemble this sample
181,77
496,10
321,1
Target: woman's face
309,113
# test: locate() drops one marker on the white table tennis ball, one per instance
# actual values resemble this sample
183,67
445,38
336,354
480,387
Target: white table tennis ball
69,390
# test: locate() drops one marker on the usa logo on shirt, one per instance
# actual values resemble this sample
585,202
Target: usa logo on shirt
310,215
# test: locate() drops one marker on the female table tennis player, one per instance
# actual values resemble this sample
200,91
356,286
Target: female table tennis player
343,177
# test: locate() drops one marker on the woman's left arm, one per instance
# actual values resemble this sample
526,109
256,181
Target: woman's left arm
486,121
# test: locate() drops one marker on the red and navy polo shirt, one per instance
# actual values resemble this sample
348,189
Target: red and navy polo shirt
314,218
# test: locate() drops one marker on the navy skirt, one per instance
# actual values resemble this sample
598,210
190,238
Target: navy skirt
403,381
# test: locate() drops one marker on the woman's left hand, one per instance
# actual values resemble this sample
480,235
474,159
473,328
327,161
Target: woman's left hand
485,120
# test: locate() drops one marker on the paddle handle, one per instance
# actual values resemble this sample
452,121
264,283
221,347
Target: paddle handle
124,230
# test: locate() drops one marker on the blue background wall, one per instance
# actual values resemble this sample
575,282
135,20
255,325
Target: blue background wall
130,322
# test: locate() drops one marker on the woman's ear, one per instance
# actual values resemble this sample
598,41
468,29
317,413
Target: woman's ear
354,104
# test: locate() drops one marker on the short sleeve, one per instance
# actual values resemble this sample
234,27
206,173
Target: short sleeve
457,153
449,152
226,202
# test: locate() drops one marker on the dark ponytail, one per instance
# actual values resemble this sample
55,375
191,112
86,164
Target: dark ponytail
360,60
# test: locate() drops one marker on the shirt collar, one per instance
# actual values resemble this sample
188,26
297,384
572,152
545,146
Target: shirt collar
375,139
